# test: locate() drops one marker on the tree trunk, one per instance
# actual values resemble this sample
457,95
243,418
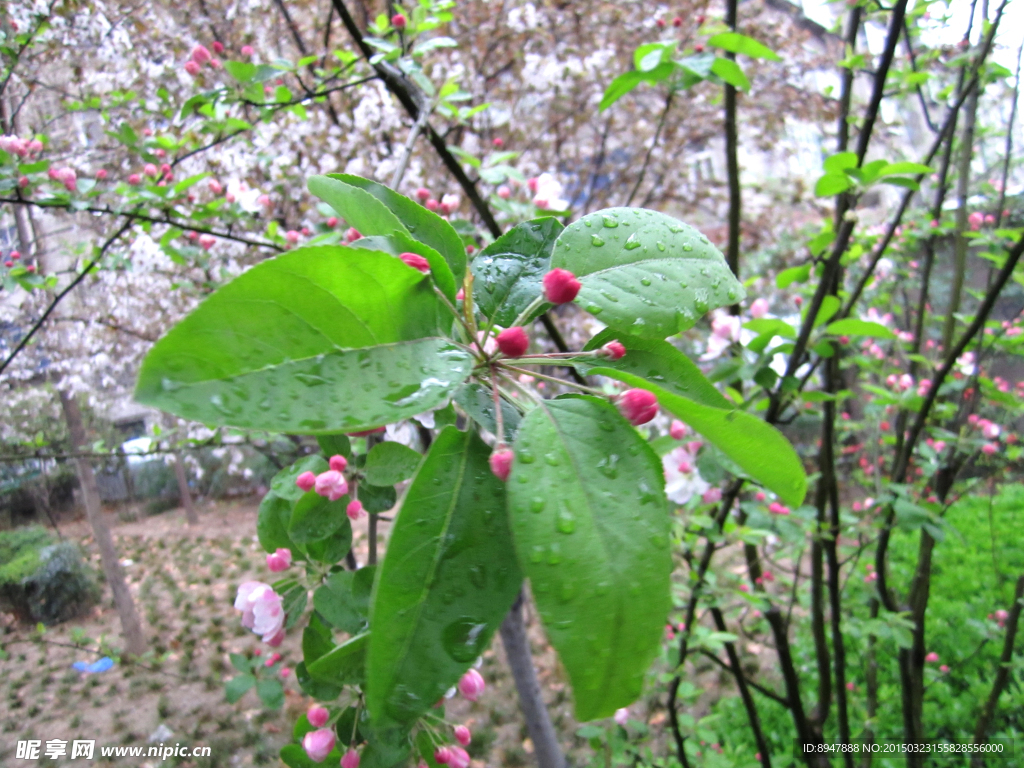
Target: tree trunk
546,748
131,627
183,490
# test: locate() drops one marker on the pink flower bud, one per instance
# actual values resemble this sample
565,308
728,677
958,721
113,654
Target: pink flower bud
614,349
207,241
990,430
760,496
461,295
432,205
8,263
264,200
932,657
306,481
501,465
338,463
192,68
471,684
150,170
272,659
622,716
1002,615
943,668
778,509
532,184
291,236
460,758
67,177
416,261
229,197
215,63
317,716
638,406
699,48
331,484
352,234
712,496
285,671
332,222
759,308
218,47
23,182
423,194
165,169
989,449
560,286
134,179
677,22
504,192
247,50
350,759
35,146
398,21
513,342
101,174
216,187
443,755
318,744
660,23
678,430
279,560
355,510
462,735
30,268
498,142
200,55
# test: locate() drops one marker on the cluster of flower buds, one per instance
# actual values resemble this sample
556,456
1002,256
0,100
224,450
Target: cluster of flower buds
279,560
201,56
23,148
331,483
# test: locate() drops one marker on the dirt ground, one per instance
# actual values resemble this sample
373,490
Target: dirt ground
183,580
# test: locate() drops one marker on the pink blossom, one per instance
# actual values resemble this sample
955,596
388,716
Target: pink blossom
272,659
423,194
318,744
760,496
352,234
200,55
398,21
192,68
350,759
216,187
443,755
317,716
989,449
134,179
338,463
432,204
332,222
976,219
247,50
940,446
284,672
472,684
932,657
614,349
498,142
504,192
355,510
68,178
759,308
24,182
462,735
331,484
150,170
561,286
712,496
207,241
622,716
291,236
501,465
513,342
306,481
1001,615
943,668
262,610
638,406
678,430
778,509
265,201
279,560
990,430
460,758
415,261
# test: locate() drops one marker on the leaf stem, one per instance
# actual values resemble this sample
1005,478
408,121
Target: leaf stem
530,309
498,418
555,379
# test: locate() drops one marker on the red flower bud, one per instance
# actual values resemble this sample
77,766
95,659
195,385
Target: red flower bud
398,21
614,349
638,406
416,261
218,47
561,286
513,342
501,463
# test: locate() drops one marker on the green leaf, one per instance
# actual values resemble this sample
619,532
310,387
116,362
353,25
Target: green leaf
650,55
344,665
507,273
853,327
240,662
294,603
840,162
311,687
627,81
398,243
344,599
478,403
758,448
332,548
730,72
283,484
335,445
271,693
272,523
832,184
591,527
787,277
390,463
317,639
315,518
237,687
320,340
242,71
422,224
829,306
904,168
447,580
658,362
734,42
771,325
644,272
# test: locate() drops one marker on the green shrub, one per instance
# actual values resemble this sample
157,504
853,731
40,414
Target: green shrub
41,581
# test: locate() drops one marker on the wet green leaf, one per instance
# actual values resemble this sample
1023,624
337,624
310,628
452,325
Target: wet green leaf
389,463
591,527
